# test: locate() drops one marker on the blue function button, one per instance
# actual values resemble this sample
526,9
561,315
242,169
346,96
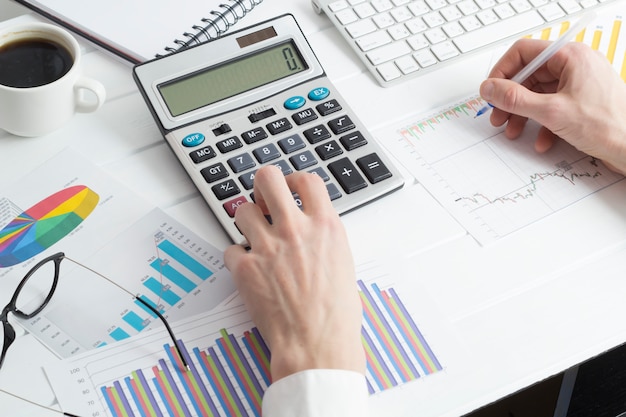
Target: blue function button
193,139
319,93
294,102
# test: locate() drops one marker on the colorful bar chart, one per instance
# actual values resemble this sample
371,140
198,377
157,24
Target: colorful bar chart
229,377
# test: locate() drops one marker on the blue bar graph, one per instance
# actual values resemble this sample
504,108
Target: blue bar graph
119,334
162,291
185,259
135,321
164,268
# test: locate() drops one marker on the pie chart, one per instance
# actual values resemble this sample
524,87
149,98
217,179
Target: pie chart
45,223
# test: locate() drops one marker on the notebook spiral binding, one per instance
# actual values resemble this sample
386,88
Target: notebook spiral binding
215,26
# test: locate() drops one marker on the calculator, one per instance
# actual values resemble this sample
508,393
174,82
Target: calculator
256,97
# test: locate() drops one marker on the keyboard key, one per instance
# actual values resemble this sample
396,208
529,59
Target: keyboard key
346,16
360,28
229,144
341,124
425,58
214,172
225,189
278,126
333,191
266,153
374,40
407,64
201,155
347,175
383,20
389,71
316,134
353,140
329,107
320,171
303,160
291,143
502,29
241,163
254,135
551,12
304,116
328,150
388,52
374,169
231,206
444,50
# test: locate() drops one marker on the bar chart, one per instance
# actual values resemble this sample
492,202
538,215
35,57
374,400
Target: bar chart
605,35
163,262
229,364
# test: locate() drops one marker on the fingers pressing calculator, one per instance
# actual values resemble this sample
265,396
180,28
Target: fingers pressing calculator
257,97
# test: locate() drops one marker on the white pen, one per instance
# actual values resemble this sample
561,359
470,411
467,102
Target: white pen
546,54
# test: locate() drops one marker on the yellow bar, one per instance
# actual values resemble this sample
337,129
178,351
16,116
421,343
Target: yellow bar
564,27
610,54
623,71
545,34
595,43
581,36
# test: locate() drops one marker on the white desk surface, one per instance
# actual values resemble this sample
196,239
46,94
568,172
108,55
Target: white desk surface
523,309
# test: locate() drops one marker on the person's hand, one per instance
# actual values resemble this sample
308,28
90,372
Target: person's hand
576,96
298,280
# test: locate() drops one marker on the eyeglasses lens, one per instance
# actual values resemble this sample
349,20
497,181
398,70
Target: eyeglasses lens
34,293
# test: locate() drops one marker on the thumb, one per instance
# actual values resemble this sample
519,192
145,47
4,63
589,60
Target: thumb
514,98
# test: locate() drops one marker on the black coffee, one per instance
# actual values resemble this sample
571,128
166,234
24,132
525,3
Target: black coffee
33,62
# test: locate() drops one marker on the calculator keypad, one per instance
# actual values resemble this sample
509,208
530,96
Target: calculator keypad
314,132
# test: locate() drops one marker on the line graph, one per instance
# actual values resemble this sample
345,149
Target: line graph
492,185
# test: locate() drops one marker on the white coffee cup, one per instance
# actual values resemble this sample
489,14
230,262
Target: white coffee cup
38,110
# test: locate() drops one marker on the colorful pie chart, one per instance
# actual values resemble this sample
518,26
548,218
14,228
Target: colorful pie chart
45,223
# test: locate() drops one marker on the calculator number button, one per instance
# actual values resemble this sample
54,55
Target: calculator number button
254,135
291,144
266,153
328,107
214,172
347,175
303,160
283,166
241,163
201,155
304,116
317,134
229,144
279,126
341,125
328,150
374,169
225,189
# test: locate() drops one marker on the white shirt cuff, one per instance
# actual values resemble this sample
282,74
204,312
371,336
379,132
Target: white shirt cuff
318,392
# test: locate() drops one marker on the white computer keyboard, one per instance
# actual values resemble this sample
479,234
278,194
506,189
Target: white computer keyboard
398,39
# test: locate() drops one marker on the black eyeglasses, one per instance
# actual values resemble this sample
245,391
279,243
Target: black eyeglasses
34,293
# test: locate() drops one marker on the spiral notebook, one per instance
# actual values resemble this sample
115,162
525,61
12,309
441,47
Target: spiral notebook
140,30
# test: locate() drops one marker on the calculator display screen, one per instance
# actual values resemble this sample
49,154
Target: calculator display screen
219,82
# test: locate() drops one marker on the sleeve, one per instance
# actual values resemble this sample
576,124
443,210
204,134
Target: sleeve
318,393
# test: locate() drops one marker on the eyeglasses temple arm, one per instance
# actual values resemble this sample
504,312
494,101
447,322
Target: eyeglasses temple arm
169,330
